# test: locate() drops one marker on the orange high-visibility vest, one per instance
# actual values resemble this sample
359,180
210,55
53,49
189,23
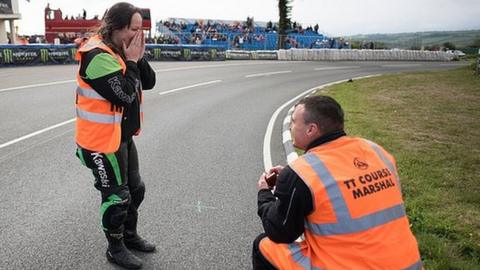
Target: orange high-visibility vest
358,219
98,125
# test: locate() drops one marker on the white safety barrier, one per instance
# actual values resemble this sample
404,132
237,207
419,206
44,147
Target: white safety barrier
238,55
340,55
251,55
362,55
264,55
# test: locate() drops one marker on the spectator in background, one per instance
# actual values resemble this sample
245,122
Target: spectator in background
23,40
48,15
198,40
269,26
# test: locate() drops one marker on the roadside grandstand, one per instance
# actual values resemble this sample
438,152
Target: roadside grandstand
245,35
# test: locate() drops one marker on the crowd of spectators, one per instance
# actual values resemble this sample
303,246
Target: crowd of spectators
200,31
339,43
163,39
26,39
234,34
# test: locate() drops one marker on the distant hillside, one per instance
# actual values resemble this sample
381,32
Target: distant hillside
460,39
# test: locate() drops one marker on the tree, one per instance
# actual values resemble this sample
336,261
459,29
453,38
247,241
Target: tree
380,45
433,47
356,44
449,46
476,43
284,9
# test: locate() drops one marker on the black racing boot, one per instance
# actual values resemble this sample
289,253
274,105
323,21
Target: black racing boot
118,253
134,241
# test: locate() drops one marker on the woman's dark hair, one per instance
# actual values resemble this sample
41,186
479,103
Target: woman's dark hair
117,17
323,111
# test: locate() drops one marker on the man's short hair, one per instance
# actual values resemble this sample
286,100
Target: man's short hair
323,111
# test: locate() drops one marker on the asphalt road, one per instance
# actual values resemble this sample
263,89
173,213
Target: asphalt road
200,156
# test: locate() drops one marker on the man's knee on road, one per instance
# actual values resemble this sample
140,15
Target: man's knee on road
258,260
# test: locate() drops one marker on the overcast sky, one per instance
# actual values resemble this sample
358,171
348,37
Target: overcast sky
335,17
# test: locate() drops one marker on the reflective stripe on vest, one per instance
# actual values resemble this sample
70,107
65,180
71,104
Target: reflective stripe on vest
89,93
416,266
345,223
100,127
99,117
306,263
299,258
385,160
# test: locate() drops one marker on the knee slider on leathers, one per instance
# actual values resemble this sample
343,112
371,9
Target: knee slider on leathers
114,210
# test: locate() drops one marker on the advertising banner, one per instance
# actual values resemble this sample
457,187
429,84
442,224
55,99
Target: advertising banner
184,53
11,55
33,55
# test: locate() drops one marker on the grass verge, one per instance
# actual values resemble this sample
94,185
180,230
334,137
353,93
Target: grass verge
430,121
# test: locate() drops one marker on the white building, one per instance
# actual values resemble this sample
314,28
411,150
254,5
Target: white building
8,12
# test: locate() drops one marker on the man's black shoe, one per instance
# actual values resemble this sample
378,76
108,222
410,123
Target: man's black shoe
138,243
124,258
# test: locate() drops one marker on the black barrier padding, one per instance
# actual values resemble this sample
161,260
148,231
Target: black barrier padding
12,55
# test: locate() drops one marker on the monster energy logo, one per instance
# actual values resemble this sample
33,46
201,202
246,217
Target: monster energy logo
44,55
73,52
7,56
187,54
213,54
157,53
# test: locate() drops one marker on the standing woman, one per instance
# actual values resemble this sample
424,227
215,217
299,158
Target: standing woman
110,80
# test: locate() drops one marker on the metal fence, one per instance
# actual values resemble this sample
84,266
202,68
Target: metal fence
251,41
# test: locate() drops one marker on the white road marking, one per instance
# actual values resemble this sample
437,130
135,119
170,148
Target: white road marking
16,153
36,133
267,158
219,65
267,73
287,136
188,87
157,70
454,65
401,65
35,85
73,120
199,206
334,68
